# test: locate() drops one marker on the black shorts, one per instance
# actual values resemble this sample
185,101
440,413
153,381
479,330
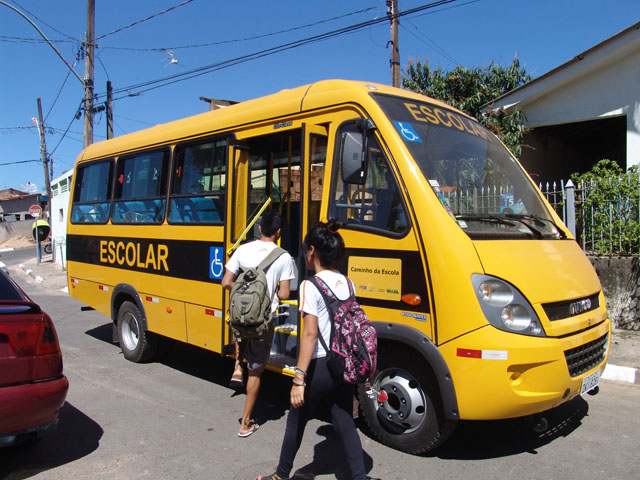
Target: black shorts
256,351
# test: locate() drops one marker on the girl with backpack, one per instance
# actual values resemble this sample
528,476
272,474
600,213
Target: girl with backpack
313,384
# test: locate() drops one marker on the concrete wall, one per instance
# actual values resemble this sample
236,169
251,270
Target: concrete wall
13,229
620,279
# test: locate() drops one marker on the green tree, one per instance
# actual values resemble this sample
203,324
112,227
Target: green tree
468,89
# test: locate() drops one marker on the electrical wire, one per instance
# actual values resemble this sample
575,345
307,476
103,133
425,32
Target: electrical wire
75,40
75,116
19,161
245,39
189,74
145,19
430,43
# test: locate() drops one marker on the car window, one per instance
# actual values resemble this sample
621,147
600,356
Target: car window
7,290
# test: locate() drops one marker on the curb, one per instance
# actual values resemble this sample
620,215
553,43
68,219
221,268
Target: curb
620,374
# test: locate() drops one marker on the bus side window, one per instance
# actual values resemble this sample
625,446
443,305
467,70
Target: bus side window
92,193
199,183
377,203
140,188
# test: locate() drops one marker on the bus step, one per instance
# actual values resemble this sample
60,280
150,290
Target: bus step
287,329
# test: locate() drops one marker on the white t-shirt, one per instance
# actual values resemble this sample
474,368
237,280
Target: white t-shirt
251,254
311,302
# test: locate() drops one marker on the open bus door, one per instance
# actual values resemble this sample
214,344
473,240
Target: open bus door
266,173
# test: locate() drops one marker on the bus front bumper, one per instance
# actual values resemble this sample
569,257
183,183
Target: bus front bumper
504,375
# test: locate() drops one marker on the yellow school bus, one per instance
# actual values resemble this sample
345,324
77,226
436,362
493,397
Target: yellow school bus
485,306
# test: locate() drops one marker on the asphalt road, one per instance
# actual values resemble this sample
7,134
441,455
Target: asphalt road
176,418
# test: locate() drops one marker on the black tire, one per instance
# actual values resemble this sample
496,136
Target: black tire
136,344
411,418
47,248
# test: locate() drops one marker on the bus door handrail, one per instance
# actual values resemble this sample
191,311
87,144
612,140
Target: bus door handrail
249,226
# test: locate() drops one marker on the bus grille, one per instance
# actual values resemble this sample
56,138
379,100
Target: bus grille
571,308
587,356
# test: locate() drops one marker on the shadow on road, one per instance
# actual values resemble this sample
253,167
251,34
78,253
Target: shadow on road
493,439
273,402
329,458
76,436
472,440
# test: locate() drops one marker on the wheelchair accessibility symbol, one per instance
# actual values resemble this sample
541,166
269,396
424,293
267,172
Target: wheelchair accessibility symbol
407,132
216,265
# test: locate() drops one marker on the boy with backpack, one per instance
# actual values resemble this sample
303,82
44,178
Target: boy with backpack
254,336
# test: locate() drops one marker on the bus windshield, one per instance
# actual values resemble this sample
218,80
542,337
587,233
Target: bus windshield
474,176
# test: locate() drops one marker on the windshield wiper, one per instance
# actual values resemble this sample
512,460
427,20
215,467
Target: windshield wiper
502,220
486,218
538,221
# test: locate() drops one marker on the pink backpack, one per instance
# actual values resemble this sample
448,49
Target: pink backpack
353,353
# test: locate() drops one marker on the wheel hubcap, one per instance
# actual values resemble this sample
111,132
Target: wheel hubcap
404,408
130,332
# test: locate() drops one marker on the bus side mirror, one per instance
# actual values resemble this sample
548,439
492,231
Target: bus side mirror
354,152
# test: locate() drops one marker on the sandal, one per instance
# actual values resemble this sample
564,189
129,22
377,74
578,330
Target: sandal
251,425
236,381
273,476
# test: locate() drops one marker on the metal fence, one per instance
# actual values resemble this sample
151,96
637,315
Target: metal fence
604,216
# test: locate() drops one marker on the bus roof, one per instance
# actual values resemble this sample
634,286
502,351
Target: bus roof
280,104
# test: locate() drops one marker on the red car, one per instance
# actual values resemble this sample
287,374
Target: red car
32,386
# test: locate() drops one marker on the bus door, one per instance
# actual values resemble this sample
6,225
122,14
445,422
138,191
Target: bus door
267,174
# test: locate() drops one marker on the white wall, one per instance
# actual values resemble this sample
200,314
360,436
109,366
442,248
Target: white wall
60,194
606,89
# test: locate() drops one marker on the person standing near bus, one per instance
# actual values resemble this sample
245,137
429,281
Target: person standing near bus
313,384
256,351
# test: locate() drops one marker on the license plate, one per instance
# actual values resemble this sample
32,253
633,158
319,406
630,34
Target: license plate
590,382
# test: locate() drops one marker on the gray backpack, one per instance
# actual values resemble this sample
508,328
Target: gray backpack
250,310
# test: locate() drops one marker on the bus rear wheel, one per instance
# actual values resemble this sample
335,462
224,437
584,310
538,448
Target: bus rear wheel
406,412
136,344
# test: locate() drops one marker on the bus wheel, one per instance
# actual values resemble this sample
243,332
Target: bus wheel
137,345
405,412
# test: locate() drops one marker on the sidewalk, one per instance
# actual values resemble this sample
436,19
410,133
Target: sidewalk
623,364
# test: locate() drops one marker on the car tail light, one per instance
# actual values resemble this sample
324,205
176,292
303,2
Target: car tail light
34,336
22,337
48,341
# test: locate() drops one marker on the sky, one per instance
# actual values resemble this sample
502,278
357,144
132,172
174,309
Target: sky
141,41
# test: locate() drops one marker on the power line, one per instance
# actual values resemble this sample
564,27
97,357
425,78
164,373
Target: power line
43,36
245,39
430,43
19,161
189,74
75,40
145,19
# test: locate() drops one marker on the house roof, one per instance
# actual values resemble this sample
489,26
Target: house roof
605,52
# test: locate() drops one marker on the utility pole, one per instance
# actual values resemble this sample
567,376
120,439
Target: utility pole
392,13
109,113
88,73
45,159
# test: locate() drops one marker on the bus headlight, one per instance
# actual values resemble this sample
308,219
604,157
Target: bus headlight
505,307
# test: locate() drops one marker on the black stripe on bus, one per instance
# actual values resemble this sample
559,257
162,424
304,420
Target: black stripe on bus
185,259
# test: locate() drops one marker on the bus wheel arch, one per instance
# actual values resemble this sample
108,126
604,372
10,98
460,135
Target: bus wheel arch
416,413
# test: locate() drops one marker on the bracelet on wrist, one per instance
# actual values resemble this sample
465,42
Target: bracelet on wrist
300,371
303,384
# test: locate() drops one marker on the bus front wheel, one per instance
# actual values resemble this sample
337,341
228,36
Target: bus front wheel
137,344
406,412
